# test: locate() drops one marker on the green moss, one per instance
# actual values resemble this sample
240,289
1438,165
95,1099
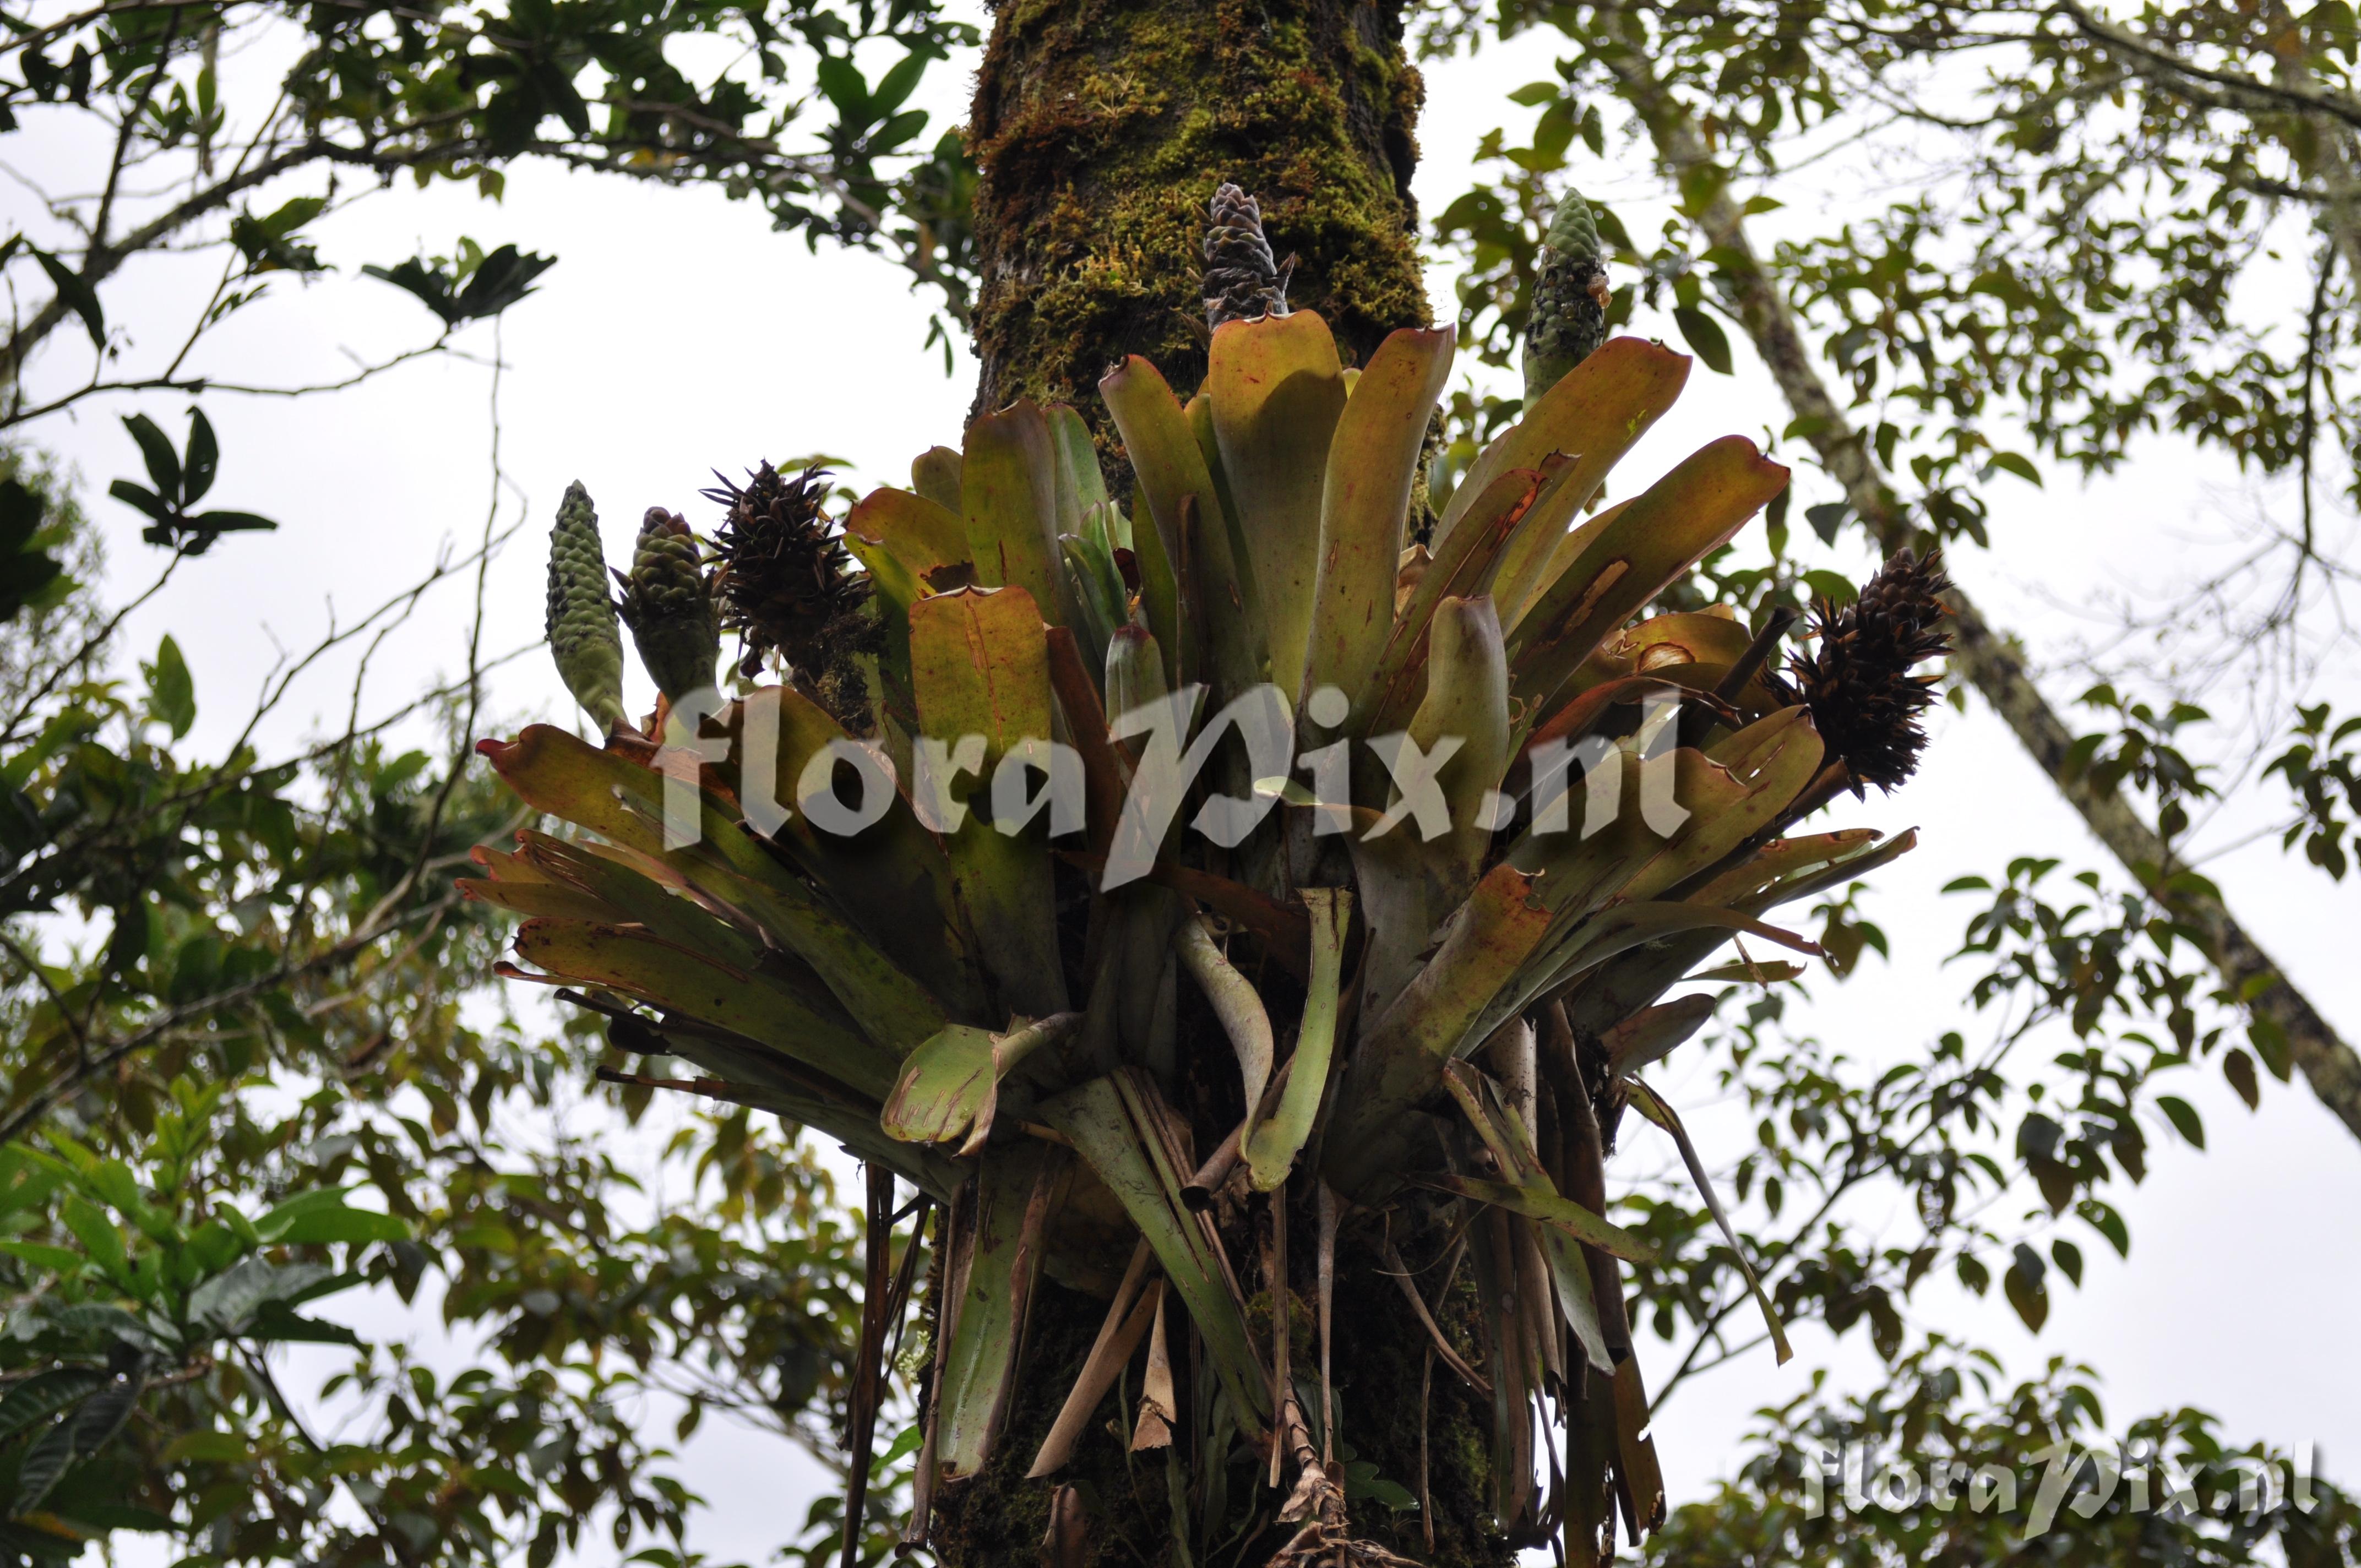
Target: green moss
1102,127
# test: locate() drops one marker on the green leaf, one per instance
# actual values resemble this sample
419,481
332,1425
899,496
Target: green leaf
1550,1209
1112,1124
895,86
1483,543
2025,1289
1653,1108
766,1010
46,1392
949,1086
1400,1059
2183,1117
1276,392
1364,500
885,969
890,136
62,1261
2011,463
842,83
1702,333
1001,1255
354,1226
1272,1146
226,1303
172,694
1008,493
98,1236
980,665
499,281
78,295
206,524
2239,1069
42,1464
275,1323
207,1447
1688,513
204,460
921,535
1186,521
156,449
140,497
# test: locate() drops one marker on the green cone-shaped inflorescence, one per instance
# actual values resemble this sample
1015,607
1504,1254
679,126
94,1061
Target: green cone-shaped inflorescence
582,634
668,605
1242,282
1569,312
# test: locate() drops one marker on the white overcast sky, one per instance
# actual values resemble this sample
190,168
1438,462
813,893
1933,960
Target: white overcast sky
677,334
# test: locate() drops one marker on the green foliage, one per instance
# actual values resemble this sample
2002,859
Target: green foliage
472,287
30,576
453,94
256,1086
2322,767
180,480
2164,1488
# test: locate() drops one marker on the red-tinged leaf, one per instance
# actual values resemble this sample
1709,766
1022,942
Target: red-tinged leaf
1277,391
1688,513
920,534
1400,1059
1009,490
980,665
1593,415
1364,502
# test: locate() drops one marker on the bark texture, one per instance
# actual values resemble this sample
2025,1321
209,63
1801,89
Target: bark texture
1101,128
1986,656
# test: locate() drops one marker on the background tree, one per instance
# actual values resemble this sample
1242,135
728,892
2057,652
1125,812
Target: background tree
2077,310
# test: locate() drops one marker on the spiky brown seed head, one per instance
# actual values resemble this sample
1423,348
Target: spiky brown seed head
1242,282
787,585
1865,701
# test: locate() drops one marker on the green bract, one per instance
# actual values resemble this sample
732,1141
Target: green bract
668,604
581,618
1568,319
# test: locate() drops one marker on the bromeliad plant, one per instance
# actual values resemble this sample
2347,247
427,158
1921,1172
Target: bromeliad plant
1388,979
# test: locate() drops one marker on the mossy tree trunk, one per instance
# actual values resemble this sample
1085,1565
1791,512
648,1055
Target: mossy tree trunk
1101,128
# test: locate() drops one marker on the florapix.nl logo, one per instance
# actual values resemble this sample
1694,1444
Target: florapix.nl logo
848,784
2055,1486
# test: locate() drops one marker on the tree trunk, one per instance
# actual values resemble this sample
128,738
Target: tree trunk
1102,127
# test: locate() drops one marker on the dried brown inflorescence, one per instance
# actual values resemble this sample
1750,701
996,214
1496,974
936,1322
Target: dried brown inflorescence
786,584
1865,701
